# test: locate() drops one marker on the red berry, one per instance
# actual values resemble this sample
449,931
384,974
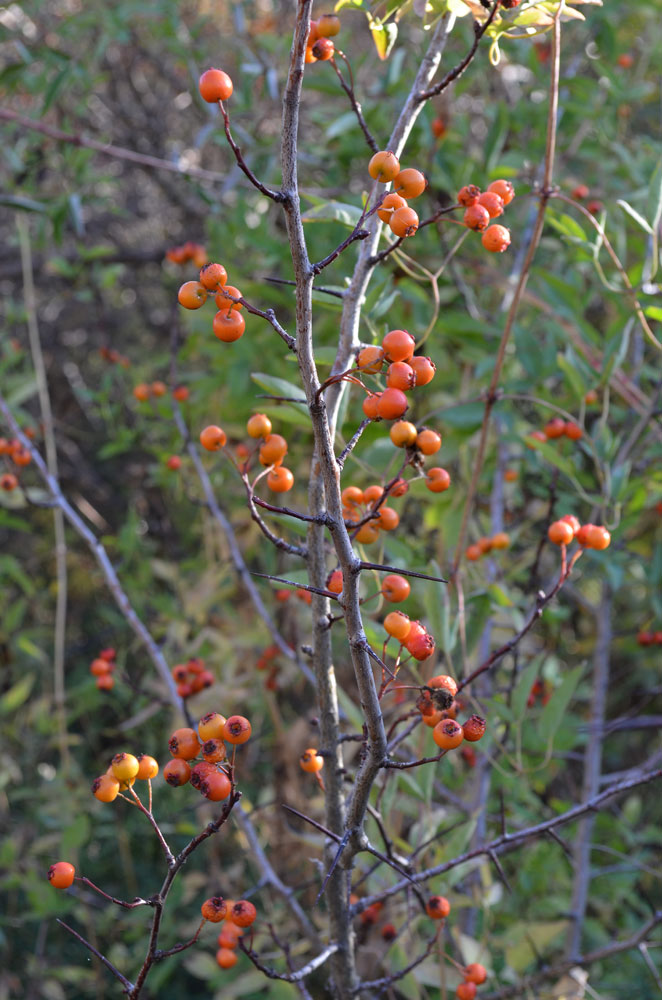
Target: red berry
215,85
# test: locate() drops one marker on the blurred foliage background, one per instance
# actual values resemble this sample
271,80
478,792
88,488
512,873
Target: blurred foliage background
99,229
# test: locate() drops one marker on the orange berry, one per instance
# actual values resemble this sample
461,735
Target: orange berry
99,667
476,217
226,958
309,57
215,85
468,195
310,761
106,682
384,166
554,428
591,397
560,533
420,646
373,493
61,875
448,734
148,767
8,482
410,183
389,519
573,430
403,222
242,913
213,276
399,488
351,496
210,726
443,682
105,788
492,202
437,480
504,189
273,450
400,375
177,772
335,582
398,625
214,909
280,479
229,936
174,463
580,192
625,60
370,359
304,595
213,438
535,436
237,730
180,393
572,521
474,728
389,933
496,239
596,537
313,33
215,786
391,203
395,588
158,389
368,533
213,751
21,456
437,907
501,540
466,991
192,295
124,766
184,743
370,404
485,545
473,553
323,49
141,392
475,973
403,434
392,404
200,772
328,25
424,369
428,442
228,325
223,299
511,475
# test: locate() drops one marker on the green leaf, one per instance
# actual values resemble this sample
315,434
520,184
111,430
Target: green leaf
555,708
334,211
639,219
523,688
567,364
17,695
567,226
467,416
280,387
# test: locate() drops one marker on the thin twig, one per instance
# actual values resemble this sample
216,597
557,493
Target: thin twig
457,71
356,107
128,986
277,196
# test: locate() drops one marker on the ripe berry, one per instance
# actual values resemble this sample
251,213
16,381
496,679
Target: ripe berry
395,588
410,183
177,772
124,766
21,456
473,553
420,646
226,295
242,913
368,533
328,25
373,493
174,463
323,49
437,480
61,875
468,195
398,625
403,434
511,475
466,990
213,276
273,450
443,684
437,907
214,909
428,442
351,496
213,438
424,369
335,582
213,751
573,430
392,404
158,389
496,239
280,479
580,192
474,728
448,734
141,392
370,359
391,203
595,537
492,202
501,540
192,295
226,958
403,222
554,428
400,375
504,189
389,932
200,772
398,345
560,533
310,761
399,488
8,482
105,788
148,767
384,166
228,325
476,217
99,667
236,730
184,743
229,936
216,786
215,85
475,973
105,683
389,519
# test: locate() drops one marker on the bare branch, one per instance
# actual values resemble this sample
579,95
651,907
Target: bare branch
277,196
128,986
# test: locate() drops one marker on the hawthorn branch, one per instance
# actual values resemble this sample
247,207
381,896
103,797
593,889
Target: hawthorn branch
128,986
457,71
385,981
352,443
290,977
356,107
277,196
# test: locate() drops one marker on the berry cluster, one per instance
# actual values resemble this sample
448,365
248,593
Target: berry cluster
589,536
271,451
408,184
403,373
191,677
501,540
188,251
481,206
122,773
412,635
555,429
210,776
438,707
237,916
114,357
646,638
157,390
319,47
20,456
228,324
102,668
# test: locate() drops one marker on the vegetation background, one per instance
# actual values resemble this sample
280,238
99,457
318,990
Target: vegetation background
97,229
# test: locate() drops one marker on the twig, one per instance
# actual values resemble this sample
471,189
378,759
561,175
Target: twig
457,71
113,899
291,977
404,572
300,586
277,196
351,444
128,986
357,234
160,954
385,981
356,107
